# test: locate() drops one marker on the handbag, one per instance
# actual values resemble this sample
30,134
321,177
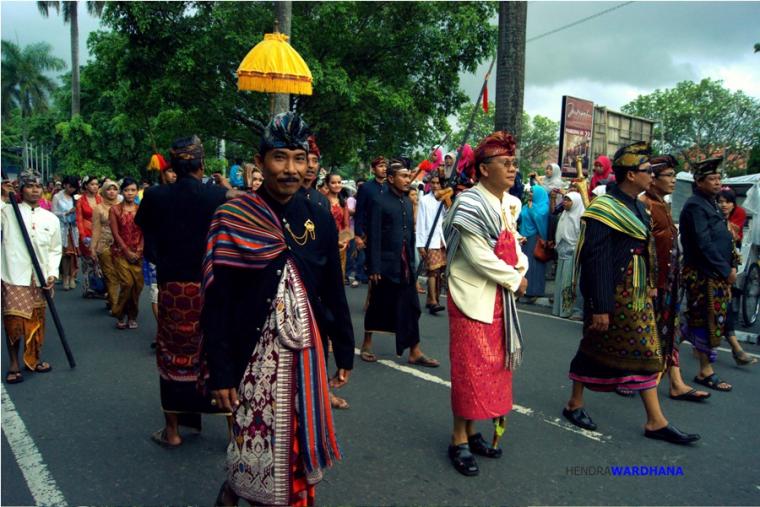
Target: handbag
542,251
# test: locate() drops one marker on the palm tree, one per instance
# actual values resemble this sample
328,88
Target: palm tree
71,16
24,83
510,67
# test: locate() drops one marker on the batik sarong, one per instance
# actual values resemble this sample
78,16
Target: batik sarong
481,386
284,406
435,259
23,310
105,261
707,306
130,286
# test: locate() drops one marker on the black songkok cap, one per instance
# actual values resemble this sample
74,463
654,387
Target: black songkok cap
706,167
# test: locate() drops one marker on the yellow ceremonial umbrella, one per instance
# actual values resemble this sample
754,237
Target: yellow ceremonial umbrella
273,66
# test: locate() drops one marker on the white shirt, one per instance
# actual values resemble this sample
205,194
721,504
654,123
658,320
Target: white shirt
426,211
45,232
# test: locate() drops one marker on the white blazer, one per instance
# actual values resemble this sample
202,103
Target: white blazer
45,232
476,272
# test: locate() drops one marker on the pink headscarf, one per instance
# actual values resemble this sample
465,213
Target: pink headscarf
466,159
438,154
606,172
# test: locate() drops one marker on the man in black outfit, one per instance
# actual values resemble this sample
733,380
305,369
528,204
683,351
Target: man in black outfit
174,220
310,178
394,306
269,254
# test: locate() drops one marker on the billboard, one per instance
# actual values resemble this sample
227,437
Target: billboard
576,125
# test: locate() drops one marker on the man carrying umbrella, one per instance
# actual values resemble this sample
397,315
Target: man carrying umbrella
23,304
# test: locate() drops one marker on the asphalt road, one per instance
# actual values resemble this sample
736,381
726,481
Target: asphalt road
85,432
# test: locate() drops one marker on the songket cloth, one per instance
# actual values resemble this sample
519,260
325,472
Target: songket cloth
668,312
282,429
283,432
178,344
481,387
628,354
130,278
707,307
566,302
23,309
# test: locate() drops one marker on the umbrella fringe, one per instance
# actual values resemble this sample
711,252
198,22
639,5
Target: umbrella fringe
274,85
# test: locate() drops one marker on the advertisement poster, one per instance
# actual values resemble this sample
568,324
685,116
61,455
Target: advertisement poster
575,135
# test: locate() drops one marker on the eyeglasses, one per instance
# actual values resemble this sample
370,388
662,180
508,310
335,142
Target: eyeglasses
504,162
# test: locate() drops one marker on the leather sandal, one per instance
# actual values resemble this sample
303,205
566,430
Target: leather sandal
580,418
463,460
743,359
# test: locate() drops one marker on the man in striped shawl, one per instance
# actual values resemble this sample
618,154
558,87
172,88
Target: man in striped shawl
485,266
273,288
616,259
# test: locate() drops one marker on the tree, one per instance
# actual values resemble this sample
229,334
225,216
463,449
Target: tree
380,86
510,67
540,135
25,84
700,120
71,16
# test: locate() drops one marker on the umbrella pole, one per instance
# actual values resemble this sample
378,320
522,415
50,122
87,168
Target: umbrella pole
271,105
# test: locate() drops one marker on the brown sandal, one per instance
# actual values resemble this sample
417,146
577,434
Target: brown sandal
743,359
368,356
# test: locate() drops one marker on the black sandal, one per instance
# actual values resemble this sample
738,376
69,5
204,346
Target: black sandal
463,460
713,382
478,445
13,377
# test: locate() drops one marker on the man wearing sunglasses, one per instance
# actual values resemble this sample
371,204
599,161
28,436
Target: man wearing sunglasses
620,346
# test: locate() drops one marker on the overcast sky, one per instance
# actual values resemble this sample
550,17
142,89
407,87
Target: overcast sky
610,59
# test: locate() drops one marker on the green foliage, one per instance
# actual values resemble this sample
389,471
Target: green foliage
77,150
701,119
216,165
167,70
539,134
25,83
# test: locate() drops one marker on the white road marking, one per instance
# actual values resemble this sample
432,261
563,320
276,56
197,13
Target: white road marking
40,482
554,421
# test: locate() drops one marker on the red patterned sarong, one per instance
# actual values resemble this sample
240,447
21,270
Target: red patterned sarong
178,339
481,387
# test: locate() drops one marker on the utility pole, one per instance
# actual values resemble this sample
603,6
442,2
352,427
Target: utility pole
284,11
510,67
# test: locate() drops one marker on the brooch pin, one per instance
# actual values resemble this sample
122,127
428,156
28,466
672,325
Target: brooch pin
308,233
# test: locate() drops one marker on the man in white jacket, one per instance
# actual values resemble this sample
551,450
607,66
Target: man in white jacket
434,255
486,273
23,304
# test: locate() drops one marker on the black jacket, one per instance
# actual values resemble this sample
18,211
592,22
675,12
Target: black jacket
391,223
174,220
364,198
315,196
606,254
237,303
706,240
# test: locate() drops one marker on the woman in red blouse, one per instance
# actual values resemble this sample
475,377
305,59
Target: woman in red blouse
84,206
127,253
339,211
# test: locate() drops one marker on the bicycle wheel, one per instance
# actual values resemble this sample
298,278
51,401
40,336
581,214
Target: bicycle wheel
751,295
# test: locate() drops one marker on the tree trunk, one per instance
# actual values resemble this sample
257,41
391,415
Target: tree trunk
284,10
510,67
74,25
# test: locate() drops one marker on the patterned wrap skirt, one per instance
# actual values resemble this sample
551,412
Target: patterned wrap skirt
481,386
23,309
707,307
178,344
629,354
435,259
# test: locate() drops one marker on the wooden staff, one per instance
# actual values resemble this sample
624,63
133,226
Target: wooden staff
43,281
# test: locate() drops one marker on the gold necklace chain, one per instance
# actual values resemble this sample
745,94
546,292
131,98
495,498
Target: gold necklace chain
308,233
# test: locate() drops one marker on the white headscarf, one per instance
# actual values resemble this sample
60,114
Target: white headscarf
555,181
569,226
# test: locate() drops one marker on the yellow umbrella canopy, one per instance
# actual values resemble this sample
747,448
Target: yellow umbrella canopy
273,66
